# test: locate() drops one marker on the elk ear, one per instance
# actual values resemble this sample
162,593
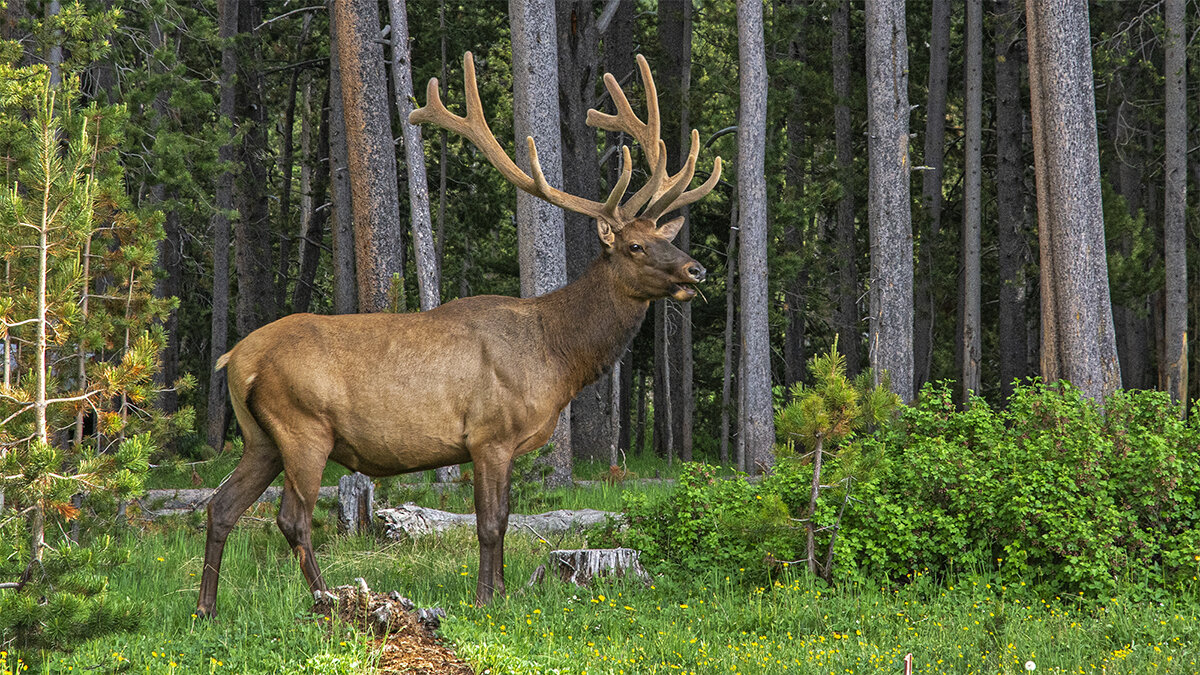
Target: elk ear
607,236
671,228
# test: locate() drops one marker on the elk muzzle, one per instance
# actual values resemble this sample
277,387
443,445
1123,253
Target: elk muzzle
692,273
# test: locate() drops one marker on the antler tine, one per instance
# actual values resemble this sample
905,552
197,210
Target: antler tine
474,128
673,186
646,133
694,195
612,206
630,208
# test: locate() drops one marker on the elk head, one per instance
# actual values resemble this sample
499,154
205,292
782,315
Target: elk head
648,265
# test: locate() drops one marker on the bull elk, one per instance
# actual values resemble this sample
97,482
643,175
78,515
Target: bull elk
479,379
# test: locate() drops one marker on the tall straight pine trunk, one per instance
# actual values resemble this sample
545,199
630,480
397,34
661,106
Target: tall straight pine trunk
1175,363
758,421
891,335
1078,343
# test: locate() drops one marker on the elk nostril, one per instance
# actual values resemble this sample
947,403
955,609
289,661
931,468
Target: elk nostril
696,271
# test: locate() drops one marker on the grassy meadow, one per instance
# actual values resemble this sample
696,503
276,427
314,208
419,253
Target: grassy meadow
725,623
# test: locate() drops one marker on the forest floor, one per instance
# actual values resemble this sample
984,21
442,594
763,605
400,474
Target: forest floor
725,623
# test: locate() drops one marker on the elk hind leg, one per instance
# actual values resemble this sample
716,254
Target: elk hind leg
260,464
303,467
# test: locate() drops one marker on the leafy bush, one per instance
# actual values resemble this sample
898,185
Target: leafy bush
1052,490
707,524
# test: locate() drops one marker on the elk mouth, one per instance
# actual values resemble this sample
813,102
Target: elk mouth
683,292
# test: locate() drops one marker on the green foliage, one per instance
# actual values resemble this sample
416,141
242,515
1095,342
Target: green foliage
1052,490
708,524
62,598
81,345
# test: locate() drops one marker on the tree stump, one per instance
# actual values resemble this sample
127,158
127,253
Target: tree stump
356,503
580,566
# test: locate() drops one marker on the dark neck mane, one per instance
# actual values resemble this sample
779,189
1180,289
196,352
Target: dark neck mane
589,323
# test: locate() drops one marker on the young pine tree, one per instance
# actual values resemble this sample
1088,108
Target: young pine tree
79,327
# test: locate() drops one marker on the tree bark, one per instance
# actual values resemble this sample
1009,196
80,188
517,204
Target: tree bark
1175,365
345,291
283,275
731,258
673,82
227,27
1078,344
972,327
252,228
315,211
540,224
758,421
846,318
374,195
891,219
931,191
424,250
1011,223
795,296
578,62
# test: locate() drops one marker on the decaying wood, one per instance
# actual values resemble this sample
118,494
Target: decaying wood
581,566
356,502
410,520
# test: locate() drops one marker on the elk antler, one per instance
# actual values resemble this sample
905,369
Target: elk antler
475,128
665,193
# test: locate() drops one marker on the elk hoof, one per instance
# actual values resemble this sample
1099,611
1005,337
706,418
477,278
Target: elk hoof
205,613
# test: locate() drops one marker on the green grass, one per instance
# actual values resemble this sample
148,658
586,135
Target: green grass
722,624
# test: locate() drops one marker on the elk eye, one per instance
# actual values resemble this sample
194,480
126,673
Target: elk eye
635,248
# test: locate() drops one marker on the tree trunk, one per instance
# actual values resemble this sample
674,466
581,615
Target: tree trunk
1135,349
972,327
731,257
284,275
925,314
378,248
1175,365
795,295
758,420
1078,344
252,228
1010,198
891,220
539,224
345,287
618,51
846,319
227,27
170,258
673,82
578,61
424,251
54,48
315,208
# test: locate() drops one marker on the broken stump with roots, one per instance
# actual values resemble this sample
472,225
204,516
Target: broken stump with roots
405,636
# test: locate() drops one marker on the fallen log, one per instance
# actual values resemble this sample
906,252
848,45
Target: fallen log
410,520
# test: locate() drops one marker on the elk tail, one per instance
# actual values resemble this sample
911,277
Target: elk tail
223,360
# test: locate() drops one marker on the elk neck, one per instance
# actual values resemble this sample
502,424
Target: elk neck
588,324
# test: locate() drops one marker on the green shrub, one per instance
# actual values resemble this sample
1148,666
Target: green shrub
708,524
1051,490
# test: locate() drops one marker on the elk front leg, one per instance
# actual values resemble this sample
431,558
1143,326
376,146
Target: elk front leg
492,480
259,466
